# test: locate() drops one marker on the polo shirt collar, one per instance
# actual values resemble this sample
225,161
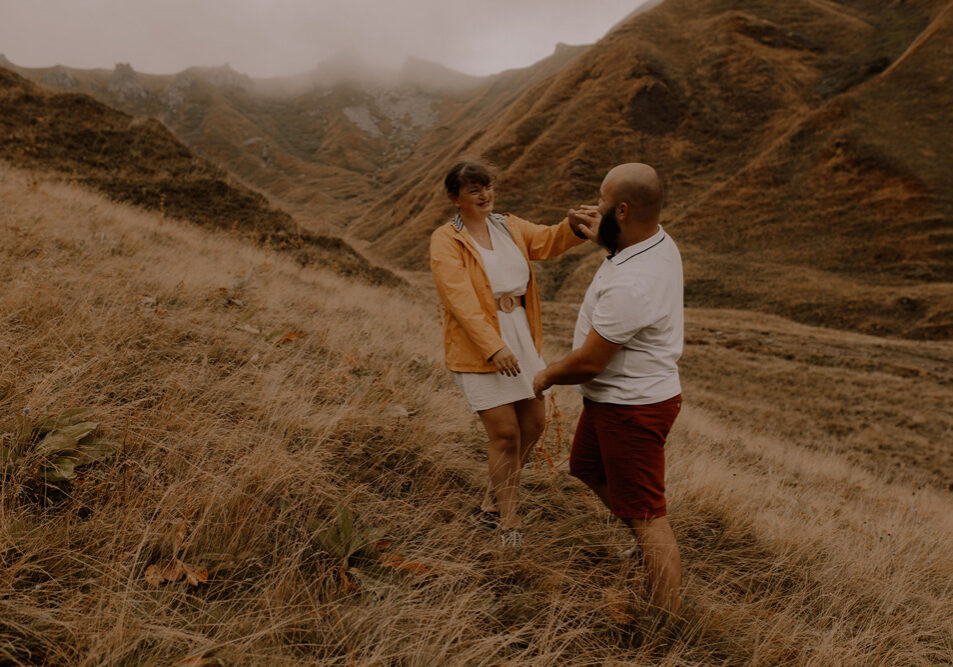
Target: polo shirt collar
642,246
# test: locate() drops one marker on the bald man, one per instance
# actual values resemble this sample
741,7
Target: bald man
626,346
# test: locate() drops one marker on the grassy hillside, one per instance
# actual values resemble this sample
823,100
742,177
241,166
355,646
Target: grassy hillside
139,161
290,436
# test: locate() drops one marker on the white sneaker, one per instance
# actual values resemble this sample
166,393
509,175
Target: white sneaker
512,539
631,552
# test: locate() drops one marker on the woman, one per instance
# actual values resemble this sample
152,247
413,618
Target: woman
492,326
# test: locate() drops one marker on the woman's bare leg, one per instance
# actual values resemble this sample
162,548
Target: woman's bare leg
531,415
503,429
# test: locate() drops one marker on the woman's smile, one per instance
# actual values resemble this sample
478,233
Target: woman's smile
475,199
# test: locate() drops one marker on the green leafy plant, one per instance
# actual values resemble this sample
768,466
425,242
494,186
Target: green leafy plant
63,442
340,537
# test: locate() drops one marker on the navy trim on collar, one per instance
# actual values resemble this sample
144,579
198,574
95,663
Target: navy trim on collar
641,251
636,254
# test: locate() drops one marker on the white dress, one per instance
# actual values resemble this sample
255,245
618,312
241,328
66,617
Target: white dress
508,271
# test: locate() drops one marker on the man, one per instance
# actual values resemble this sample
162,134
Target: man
628,338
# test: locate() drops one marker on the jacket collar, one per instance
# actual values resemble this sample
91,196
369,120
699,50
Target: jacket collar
457,221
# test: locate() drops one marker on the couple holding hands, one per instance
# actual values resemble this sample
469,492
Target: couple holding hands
627,341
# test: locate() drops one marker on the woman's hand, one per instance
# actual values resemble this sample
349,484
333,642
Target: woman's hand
506,361
585,221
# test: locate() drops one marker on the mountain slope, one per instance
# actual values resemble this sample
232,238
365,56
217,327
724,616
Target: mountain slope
323,142
139,161
709,94
861,187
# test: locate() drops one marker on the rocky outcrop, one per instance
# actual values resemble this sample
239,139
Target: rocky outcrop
125,85
224,77
60,78
175,93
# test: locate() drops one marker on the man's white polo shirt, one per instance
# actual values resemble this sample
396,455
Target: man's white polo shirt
635,299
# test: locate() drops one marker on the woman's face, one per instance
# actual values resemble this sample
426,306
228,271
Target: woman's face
474,200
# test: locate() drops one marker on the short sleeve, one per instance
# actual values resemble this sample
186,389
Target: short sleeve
621,311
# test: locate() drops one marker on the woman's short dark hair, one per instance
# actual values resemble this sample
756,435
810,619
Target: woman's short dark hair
464,173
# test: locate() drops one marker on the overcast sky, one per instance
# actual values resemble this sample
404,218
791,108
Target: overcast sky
276,37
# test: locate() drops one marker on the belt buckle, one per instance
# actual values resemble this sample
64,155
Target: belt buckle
508,303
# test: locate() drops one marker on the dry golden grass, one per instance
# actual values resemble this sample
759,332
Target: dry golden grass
792,555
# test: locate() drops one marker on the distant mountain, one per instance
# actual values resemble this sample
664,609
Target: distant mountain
805,147
138,160
428,75
797,139
321,142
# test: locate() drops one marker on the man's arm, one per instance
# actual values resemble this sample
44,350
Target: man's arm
580,366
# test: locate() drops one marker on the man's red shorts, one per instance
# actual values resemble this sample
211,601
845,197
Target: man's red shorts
622,447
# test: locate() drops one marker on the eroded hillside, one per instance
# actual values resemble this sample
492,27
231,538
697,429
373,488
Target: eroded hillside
800,142
140,161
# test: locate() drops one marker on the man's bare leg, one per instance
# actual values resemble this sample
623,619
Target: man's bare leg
662,561
659,552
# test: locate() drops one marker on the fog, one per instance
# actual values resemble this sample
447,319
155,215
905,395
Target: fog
281,37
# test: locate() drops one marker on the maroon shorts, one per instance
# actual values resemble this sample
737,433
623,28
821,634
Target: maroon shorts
622,448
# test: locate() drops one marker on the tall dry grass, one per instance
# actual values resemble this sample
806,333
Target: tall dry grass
255,441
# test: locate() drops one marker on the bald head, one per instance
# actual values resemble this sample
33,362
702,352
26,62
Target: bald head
639,186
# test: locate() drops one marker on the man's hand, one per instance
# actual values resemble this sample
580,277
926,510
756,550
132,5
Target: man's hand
541,383
506,362
585,220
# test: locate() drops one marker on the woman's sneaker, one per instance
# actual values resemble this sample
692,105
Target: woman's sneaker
512,539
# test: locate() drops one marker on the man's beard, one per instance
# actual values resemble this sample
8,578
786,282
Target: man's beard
608,233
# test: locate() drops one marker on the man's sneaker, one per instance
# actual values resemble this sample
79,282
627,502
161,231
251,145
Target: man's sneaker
485,519
632,552
512,539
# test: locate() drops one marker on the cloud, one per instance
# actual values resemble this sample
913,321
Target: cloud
275,37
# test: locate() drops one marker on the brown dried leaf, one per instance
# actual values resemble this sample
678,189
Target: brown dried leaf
398,562
170,570
618,612
178,534
153,575
346,583
382,545
195,575
289,337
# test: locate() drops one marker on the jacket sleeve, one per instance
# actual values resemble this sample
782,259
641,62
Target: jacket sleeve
459,296
543,242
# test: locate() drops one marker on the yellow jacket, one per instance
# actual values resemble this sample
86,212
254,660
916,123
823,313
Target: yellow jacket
471,328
